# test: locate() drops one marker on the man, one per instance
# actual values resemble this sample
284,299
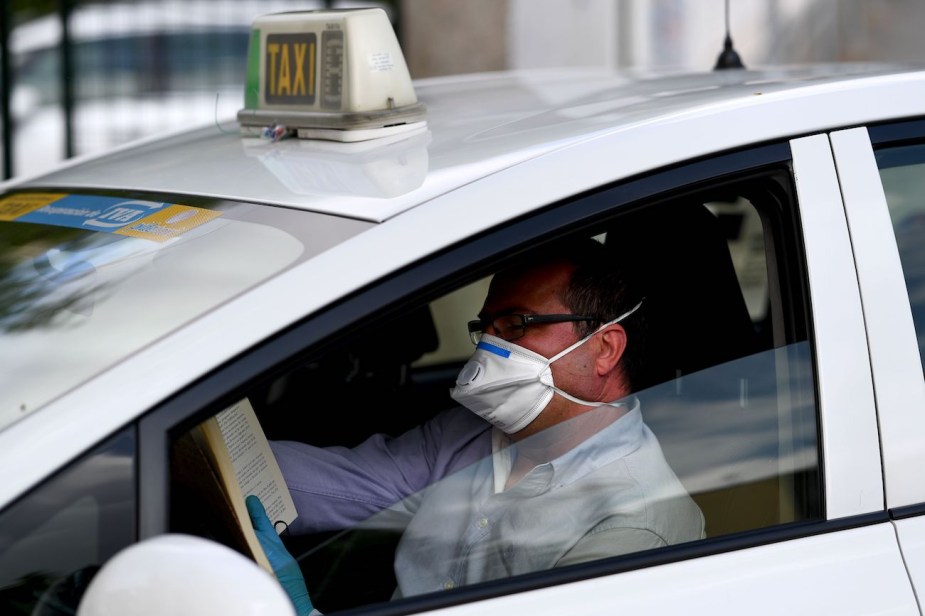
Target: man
550,465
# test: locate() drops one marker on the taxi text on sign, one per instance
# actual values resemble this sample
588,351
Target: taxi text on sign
292,74
290,68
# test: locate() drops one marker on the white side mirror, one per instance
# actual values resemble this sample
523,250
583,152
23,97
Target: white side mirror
181,574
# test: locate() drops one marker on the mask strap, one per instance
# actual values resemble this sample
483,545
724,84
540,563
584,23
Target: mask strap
568,396
586,338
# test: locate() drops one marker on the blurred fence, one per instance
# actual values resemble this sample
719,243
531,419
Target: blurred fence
81,77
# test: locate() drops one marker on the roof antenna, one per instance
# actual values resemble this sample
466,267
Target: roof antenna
728,57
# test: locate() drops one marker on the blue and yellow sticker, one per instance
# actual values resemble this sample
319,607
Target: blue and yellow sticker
132,217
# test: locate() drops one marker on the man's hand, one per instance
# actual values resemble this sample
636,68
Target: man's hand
284,565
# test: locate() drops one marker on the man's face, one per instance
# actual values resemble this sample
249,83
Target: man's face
586,371
538,290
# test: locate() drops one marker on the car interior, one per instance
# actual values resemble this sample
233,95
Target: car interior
720,334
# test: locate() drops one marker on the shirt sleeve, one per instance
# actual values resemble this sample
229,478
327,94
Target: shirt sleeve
337,487
611,542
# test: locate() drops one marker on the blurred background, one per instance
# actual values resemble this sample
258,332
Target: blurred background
82,76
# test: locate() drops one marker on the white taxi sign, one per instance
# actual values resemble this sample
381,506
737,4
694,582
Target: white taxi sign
328,74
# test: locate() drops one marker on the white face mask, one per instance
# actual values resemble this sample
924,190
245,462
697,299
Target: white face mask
509,385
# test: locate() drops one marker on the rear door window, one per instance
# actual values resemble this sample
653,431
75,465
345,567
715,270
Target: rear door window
901,171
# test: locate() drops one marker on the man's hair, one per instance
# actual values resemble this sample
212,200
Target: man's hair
602,288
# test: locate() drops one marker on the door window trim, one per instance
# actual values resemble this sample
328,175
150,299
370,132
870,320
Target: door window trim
473,257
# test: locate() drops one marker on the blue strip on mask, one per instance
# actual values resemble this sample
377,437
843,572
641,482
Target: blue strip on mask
494,349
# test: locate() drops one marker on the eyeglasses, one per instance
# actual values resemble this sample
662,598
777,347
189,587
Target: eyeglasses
513,326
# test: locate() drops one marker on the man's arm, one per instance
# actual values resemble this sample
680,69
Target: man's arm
337,487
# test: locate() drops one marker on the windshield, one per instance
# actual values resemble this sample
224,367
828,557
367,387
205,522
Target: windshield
88,279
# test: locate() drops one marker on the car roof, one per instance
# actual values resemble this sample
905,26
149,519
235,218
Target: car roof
477,125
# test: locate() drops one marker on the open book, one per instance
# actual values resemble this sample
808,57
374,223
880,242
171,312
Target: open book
219,463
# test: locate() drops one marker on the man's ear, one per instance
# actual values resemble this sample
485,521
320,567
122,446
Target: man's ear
611,348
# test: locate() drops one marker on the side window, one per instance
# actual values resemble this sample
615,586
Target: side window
417,491
901,171
55,538
729,387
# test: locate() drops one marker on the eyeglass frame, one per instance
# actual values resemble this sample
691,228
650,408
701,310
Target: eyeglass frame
477,327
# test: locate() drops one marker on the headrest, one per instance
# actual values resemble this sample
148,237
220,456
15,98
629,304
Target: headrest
695,313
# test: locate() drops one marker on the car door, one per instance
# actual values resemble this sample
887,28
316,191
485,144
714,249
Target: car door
757,383
880,169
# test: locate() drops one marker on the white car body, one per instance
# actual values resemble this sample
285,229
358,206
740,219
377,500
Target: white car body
498,148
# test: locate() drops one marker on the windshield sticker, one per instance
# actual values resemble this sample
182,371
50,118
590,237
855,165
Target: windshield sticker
14,206
135,218
170,222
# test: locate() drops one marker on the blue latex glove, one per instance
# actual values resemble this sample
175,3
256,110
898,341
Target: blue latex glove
284,565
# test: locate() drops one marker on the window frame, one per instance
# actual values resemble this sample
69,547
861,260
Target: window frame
463,262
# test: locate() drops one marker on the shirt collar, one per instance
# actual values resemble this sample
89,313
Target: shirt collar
613,442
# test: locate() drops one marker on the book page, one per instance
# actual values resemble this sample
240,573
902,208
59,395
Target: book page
254,465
